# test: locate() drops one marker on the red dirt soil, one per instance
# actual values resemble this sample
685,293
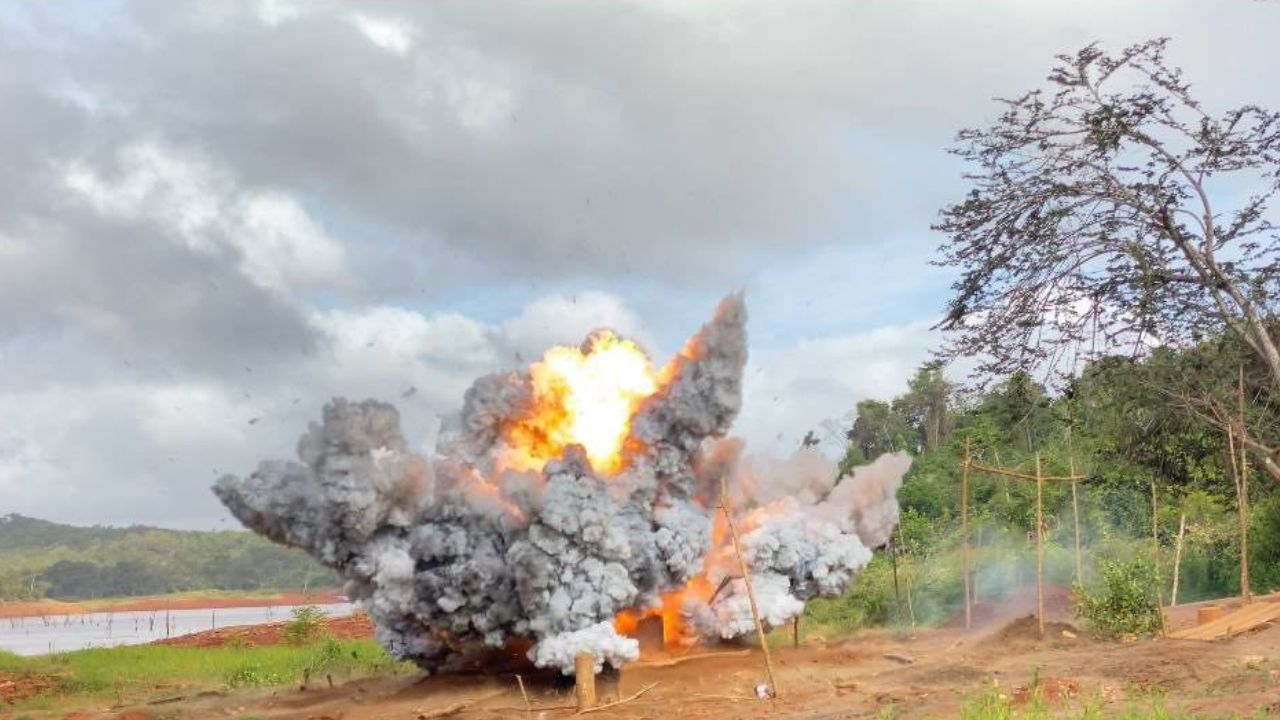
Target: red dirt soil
19,687
42,608
346,627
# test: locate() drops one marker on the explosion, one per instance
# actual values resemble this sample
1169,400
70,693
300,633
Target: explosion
582,396
565,502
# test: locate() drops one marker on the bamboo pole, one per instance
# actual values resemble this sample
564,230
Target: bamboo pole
1155,558
1025,476
911,611
746,579
893,560
964,534
1039,546
1242,503
1177,558
1075,517
1155,528
584,667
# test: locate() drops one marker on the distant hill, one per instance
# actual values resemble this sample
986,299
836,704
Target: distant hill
39,558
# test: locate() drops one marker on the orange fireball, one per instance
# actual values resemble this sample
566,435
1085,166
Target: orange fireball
582,397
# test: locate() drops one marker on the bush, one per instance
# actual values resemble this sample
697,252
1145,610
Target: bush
1125,604
306,626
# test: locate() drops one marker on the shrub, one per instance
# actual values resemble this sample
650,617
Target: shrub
253,676
306,626
1124,604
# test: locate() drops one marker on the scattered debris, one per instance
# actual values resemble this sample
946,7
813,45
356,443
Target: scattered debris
904,659
457,707
627,699
690,657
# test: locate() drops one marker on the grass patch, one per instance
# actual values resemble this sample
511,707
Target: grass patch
993,705
141,672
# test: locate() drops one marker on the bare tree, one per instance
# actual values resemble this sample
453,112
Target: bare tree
1099,218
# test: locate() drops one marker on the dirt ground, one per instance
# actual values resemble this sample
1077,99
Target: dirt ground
350,626
930,673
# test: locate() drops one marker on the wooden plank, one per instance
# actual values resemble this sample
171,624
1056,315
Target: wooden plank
1242,620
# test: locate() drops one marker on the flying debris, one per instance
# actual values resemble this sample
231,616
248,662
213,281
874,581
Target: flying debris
567,501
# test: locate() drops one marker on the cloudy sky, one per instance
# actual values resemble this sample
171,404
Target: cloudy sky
215,216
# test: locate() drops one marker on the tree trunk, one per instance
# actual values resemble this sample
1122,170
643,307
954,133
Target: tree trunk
1177,558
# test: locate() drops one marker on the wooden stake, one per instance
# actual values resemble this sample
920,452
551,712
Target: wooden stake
1242,503
1075,516
1177,558
1155,528
584,667
911,610
893,561
1155,558
964,535
746,579
627,699
528,706
1039,546
795,632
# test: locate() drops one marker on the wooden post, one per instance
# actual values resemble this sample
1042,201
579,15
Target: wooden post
652,636
1155,558
893,561
1155,529
795,632
964,535
584,668
1242,503
911,611
1075,516
1039,545
746,579
1177,558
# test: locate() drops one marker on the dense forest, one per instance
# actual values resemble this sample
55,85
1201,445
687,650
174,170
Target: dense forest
44,559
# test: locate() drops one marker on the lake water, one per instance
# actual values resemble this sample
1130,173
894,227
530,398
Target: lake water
61,633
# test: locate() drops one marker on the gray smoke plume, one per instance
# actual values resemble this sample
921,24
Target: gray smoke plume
453,551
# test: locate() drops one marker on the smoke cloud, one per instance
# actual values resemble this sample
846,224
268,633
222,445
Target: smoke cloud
459,549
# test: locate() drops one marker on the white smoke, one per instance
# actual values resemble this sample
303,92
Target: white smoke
451,551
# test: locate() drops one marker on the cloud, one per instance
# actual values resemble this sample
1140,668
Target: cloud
132,444
816,384
212,220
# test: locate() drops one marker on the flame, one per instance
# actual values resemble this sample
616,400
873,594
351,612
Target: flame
583,397
674,628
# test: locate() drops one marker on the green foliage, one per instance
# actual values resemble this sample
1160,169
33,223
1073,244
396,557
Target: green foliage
144,671
253,675
1126,602
995,705
39,558
306,626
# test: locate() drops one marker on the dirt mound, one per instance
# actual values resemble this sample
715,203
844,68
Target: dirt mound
1019,602
1026,631
19,687
347,627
